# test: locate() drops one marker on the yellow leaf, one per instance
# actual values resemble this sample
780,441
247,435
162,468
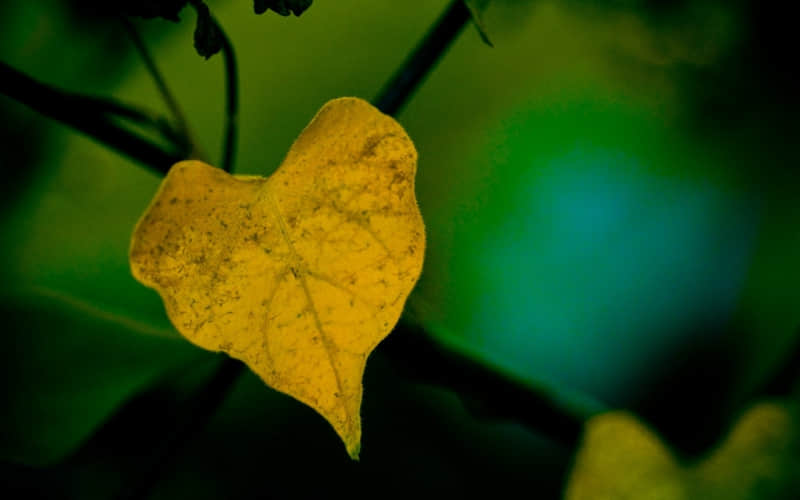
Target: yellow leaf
299,275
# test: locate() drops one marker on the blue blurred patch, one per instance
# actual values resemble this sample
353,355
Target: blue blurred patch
592,261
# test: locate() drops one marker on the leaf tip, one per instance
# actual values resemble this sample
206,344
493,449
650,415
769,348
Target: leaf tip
354,449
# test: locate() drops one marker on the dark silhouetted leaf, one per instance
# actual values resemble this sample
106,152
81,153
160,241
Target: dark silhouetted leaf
207,35
282,7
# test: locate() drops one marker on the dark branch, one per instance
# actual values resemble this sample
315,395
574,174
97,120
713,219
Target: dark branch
485,392
397,91
83,113
148,120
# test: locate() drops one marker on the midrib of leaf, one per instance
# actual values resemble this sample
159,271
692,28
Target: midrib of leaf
326,342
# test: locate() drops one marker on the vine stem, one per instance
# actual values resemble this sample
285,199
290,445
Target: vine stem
231,102
231,89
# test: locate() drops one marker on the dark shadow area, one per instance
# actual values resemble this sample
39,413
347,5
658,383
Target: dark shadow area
689,401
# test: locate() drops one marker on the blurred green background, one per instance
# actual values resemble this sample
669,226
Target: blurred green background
612,210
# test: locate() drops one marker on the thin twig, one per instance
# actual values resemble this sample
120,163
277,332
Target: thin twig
109,107
418,64
231,101
169,98
81,113
231,89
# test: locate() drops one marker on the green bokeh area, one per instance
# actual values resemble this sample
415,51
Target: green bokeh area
612,211
608,235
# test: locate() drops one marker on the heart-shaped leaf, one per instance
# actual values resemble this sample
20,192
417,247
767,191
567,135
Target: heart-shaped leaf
301,274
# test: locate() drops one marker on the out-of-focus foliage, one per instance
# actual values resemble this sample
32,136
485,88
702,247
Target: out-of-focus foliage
760,459
622,459
299,275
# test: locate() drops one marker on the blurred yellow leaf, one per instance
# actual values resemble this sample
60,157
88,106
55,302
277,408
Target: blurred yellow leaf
760,459
620,458
299,275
